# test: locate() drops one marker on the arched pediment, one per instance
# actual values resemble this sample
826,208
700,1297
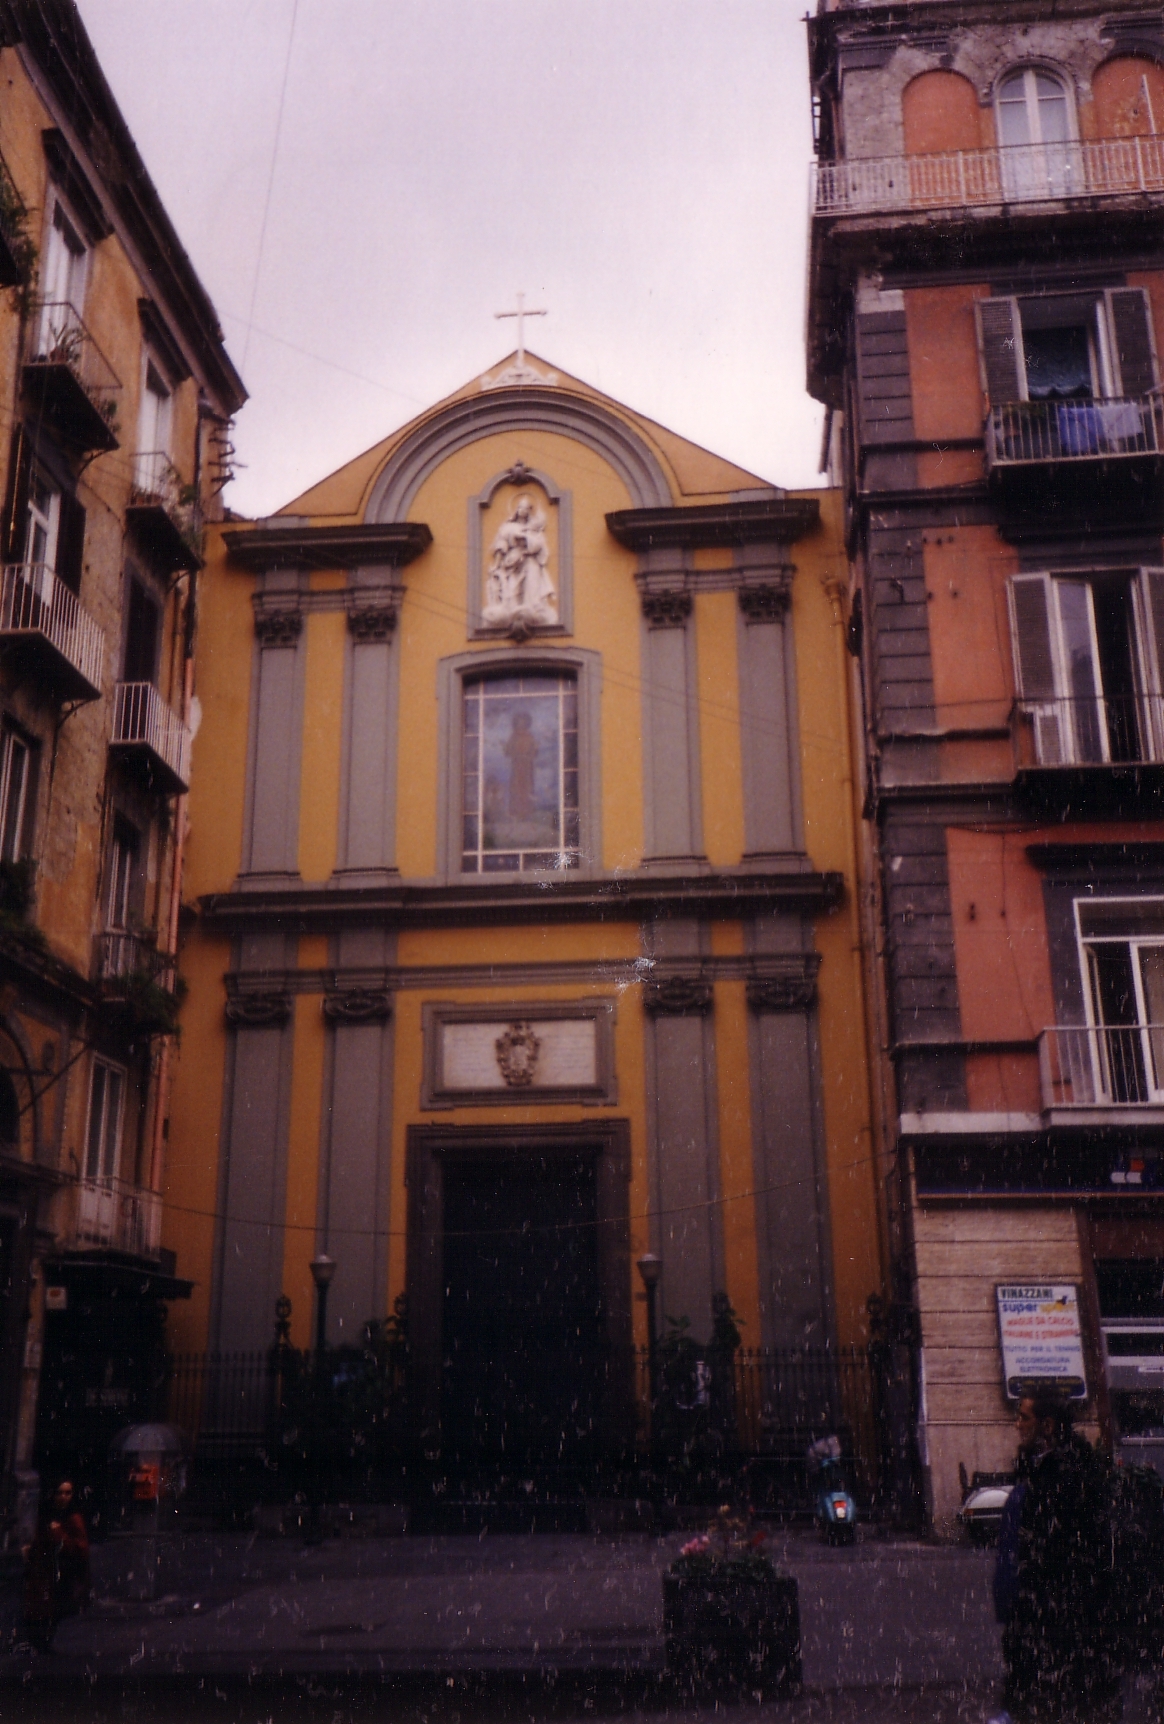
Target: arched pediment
465,421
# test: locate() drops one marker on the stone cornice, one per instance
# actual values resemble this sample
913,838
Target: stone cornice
782,977
623,897
769,520
299,546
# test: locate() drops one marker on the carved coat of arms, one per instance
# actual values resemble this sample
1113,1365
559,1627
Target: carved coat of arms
517,1055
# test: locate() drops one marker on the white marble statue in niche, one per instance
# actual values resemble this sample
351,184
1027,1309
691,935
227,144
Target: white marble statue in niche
518,588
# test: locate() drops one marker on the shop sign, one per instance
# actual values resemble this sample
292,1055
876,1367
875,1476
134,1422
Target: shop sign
1041,1338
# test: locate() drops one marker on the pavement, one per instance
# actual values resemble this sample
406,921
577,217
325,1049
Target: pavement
507,1626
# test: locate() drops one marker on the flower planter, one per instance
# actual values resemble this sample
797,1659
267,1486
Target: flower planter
731,1627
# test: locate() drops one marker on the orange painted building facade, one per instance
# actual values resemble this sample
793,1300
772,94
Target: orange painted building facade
986,312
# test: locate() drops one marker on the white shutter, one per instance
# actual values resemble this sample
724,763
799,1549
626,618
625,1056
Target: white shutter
1031,624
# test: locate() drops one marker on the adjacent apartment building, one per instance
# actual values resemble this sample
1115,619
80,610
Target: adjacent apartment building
986,310
116,393
522,850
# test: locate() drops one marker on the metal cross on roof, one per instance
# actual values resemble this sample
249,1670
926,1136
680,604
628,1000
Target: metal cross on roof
521,314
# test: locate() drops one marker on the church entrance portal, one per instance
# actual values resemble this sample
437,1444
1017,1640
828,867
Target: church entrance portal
522,1344
519,1298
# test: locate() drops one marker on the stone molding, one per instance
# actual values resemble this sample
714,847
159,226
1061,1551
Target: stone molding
357,1006
667,607
371,620
678,996
278,626
765,601
795,992
258,1011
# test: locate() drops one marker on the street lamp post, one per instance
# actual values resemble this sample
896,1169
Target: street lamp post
650,1268
322,1270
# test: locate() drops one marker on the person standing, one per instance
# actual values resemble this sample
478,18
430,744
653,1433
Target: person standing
1053,1576
56,1575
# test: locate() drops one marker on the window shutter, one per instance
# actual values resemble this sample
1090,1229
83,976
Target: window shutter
1152,653
16,502
71,543
1034,657
1132,327
1000,347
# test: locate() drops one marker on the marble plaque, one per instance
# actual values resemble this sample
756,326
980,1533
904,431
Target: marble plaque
519,1055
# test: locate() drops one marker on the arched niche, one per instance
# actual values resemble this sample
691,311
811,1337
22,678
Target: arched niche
520,409
940,111
1128,96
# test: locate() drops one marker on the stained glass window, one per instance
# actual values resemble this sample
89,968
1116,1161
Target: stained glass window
520,765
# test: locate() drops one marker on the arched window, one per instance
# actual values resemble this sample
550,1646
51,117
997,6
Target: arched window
520,773
9,1112
1033,108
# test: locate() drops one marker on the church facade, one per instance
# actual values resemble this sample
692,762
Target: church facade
523,935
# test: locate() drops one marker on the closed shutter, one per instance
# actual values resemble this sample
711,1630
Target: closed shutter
1034,658
1151,596
16,501
1132,328
1000,347
71,543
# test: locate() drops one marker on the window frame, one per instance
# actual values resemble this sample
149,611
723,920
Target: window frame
59,218
108,1158
1055,706
11,739
123,876
152,460
452,673
1028,71
1126,935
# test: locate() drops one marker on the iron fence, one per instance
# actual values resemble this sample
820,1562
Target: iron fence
711,1414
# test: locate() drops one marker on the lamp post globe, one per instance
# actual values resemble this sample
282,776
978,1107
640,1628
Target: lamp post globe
323,1269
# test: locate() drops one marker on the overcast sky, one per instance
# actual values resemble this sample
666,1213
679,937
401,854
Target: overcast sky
362,184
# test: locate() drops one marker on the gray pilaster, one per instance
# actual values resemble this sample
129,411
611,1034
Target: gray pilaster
253,1167
768,726
356,1148
788,1150
686,1224
367,818
672,801
271,826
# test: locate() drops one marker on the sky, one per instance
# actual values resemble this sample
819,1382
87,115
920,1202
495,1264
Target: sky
363,184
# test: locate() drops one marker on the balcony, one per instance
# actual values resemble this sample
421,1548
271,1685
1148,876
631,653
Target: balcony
992,178
118,1216
1093,730
146,730
164,523
68,380
138,980
48,632
1110,1073
1077,454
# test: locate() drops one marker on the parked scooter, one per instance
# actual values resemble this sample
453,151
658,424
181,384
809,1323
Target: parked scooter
983,1501
836,1512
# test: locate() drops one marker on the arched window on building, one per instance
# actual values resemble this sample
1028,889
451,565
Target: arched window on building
1036,128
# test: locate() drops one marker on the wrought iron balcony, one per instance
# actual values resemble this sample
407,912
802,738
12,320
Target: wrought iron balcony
1117,730
48,629
145,728
119,1216
982,179
1033,433
123,956
69,380
165,522
1100,1067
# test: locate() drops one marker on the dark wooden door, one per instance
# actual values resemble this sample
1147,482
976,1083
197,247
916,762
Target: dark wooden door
522,1354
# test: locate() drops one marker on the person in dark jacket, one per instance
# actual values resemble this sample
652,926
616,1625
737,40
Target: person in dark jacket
56,1574
1053,1579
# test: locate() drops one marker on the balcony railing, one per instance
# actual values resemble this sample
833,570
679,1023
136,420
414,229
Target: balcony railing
120,1216
123,956
158,508
966,179
1110,1065
1033,432
70,377
40,613
1115,730
143,724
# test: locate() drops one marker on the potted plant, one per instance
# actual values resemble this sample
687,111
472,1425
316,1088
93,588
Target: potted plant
729,1614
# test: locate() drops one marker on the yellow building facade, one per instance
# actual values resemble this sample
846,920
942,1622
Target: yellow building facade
522,938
